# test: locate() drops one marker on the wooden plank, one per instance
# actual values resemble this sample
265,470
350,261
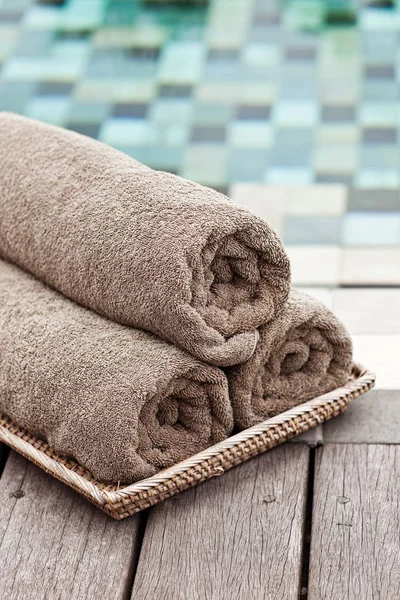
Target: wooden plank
54,544
236,536
355,541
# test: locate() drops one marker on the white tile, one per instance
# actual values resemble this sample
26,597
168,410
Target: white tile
295,114
213,171
171,111
42,17
378,114
316,265
42,69
368,310
375,19
336,158
8,37
265,201
127,132
334,133
366,266
371,229
379,353
173,68
377,178
256,54
243,134
347,93
121,90
214,92
292,176
316,199
257,92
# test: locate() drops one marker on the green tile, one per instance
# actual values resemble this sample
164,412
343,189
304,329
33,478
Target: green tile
171,110
211,113
49,109
15,95
89,112
256,91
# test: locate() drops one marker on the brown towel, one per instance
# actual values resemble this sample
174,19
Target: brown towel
303,353
144,248
120,401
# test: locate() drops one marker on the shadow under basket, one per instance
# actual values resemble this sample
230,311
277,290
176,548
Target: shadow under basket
120,502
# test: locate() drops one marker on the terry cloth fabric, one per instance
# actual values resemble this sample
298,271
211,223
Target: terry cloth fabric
120,401
303,353
145,248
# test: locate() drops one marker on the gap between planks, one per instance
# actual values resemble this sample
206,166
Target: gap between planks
307,527
355,542
4,452
236,537
54,544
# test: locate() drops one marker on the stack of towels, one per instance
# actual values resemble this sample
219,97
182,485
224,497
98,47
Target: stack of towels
143,317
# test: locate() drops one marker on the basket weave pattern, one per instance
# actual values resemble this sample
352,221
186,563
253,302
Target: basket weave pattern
120,502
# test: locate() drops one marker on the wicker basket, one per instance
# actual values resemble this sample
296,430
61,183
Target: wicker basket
120,502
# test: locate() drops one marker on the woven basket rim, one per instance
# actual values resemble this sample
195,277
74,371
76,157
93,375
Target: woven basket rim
105,496
244,435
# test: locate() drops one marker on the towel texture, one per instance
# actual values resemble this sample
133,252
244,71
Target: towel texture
145,248
303,353
120,401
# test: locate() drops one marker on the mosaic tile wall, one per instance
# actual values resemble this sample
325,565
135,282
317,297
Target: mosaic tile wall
233,94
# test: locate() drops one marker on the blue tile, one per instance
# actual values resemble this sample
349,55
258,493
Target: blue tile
380,90
15,95
371,229
160,158
308,230
171,83
33,43
375,156
247,164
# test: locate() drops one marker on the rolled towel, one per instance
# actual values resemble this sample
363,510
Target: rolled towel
302,354
120,401
145,248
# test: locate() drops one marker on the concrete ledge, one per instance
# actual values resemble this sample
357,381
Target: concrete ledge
312,437
370,419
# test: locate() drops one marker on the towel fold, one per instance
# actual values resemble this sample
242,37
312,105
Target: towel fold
122,402
145,248
303,353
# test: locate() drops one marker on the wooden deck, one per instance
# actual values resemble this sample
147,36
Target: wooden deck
297,522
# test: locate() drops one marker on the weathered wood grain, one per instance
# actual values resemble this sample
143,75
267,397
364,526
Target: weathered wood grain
55,545
355,541
237,536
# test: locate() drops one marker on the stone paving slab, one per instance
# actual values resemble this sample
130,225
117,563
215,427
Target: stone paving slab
369,266
315,266
368,310
312,437
370,419
380,354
